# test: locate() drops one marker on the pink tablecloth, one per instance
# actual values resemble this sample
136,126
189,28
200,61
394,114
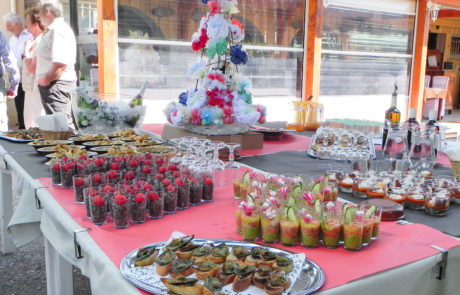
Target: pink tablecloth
291,142
216,220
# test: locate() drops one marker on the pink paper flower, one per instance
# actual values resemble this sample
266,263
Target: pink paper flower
284,191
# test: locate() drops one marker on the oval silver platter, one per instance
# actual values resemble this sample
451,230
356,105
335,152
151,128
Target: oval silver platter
310,279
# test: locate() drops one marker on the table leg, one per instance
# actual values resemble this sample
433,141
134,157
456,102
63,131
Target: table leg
59,277
6,211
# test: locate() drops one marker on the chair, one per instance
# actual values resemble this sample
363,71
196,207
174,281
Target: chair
435,96
427,81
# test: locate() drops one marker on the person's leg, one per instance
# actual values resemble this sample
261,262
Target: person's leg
3,113
19,103
57,97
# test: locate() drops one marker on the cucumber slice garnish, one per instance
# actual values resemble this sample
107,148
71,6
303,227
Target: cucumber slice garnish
246,177
344,207
291,214
349,212
297,190
316,188
292,201
370,211
317,206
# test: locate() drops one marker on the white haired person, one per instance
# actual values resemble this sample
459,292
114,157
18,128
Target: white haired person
7,63
33,107
15,25
55,63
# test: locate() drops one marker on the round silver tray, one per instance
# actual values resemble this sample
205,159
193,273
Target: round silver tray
310,279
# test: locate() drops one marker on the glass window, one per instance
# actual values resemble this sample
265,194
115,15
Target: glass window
364,52
154,45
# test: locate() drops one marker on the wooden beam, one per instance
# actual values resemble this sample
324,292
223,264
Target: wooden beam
420,52
454,3
448,13
314,42
107,46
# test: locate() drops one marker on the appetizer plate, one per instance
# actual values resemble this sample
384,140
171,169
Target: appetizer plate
307,277
100,149
79,141
53,155
100,143
14,139
51,149
48,143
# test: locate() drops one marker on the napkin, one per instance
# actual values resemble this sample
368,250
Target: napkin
53,122
453,151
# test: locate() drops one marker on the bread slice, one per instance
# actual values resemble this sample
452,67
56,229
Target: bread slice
205,269
284,263
277,283
188,287
181,267
261,276
145,256
164,262
243,279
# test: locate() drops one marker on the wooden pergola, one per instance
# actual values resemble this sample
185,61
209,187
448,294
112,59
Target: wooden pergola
108,41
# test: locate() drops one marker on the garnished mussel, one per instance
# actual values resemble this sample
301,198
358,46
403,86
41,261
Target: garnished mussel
227,272
181,267
164,262
145,256
284,263
277,283
243,278
267,258
212,286
178,243
205,269
182,285
261,276
219,253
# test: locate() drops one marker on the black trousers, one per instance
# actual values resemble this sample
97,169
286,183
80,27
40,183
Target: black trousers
60,96
19,103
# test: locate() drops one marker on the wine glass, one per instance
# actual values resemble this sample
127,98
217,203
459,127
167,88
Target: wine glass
216,164
231,166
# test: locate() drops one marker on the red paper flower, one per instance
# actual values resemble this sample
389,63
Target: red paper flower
214,6
237,23
140,198
79,181
199,44
120,199
153,196
98,201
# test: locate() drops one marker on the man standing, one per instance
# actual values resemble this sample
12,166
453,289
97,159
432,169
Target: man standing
55,59
7,63
14,24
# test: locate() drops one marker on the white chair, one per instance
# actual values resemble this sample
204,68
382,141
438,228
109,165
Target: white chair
436,101
427,81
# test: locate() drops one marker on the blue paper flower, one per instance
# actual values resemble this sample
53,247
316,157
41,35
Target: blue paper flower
207,116
204,1
183,98
238,56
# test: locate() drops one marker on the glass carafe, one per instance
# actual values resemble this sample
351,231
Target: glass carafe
396,145
315,116
421,155
297,122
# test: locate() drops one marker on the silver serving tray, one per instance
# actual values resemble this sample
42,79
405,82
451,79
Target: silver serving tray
311,153
310,279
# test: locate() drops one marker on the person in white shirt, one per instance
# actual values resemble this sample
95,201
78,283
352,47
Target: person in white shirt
7,63
33,107
55,63
14,25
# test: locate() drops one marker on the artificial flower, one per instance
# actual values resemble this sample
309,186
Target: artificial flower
245,113
238,56
198,100
219,98
228,6
214,6
197,70
228,114
216,47
199,40
263,112
183,98
215,79
217,27
207,116
195,117
237,34
177,118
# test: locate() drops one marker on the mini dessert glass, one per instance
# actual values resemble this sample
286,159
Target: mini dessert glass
331,225
310,228
353,229
98,209
437,203
250,224
138,206
80,181
155,204
120,211
270,224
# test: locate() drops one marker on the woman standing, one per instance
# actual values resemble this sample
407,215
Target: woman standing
33,107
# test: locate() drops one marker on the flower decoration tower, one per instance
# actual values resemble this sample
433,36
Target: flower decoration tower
221,101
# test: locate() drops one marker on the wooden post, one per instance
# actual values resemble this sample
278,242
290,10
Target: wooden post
314,42
420,52
107,46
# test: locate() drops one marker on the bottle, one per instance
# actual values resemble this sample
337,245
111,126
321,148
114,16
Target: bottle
138,99
412,124
431,124
392,115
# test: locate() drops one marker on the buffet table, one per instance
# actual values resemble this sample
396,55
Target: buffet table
401,260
